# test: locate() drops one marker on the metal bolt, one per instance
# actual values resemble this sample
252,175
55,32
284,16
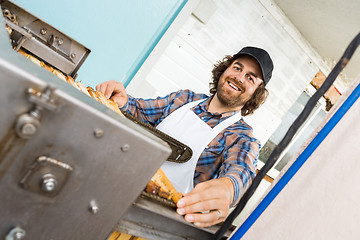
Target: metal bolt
125,147
27,29
93,207
49,183
35,113
16,233
27,125
60,41
43,31
19,235
98,133
28,129
73,55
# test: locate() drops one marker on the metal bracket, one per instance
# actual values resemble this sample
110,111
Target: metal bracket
28,123
46,176
43,41
42,99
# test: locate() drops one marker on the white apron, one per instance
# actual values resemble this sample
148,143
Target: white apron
185,126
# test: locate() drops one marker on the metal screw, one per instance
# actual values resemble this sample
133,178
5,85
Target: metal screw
43,31
60,41
27,29
27,125
93,207
73,55
19,235
16,233
125,147
49,183
28,129
98,133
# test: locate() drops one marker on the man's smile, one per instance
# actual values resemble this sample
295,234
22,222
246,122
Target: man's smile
233,86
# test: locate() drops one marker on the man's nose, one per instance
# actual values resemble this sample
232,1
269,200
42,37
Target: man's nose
240,77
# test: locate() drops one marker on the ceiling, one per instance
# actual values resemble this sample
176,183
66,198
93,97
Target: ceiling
329,26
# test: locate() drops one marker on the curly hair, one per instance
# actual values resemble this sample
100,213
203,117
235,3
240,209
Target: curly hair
260,94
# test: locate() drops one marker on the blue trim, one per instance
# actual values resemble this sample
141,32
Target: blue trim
157,36
297,164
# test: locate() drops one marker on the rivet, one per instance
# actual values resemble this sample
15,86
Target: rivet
73,55
94,208
125,147
60,41
43,31
98,133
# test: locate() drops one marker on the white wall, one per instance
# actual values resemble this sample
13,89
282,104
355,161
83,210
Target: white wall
322,200
188,59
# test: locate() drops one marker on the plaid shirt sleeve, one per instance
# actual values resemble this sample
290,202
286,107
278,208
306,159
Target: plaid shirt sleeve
153,111
239,163
147,110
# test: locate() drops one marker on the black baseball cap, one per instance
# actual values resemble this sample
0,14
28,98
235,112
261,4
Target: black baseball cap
262,57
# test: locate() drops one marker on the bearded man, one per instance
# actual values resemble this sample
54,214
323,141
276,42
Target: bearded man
225,151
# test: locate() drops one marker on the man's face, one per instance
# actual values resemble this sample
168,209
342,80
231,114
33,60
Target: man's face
238,82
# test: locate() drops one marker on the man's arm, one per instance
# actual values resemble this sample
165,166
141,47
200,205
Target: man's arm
147,110
210,201
240,166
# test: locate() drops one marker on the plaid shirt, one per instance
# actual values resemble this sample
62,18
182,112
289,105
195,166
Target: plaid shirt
232,153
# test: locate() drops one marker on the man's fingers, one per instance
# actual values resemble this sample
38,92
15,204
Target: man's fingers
202,206
190,199
110,87
120,101
208,203
115,91
101,87
109,90
205,219
200,194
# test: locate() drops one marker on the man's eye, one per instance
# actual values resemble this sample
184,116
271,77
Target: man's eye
251,79
237,68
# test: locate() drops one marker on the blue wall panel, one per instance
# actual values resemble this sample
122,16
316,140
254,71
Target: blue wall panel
120,34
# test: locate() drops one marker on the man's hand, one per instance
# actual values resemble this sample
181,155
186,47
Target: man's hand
208,203
115,91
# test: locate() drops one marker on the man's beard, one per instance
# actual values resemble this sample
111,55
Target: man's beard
230,100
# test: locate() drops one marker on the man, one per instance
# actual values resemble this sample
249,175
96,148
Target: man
224,150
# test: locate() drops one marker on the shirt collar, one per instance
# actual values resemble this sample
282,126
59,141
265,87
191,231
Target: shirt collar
205,105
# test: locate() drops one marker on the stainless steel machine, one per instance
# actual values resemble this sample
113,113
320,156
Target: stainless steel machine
70,168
